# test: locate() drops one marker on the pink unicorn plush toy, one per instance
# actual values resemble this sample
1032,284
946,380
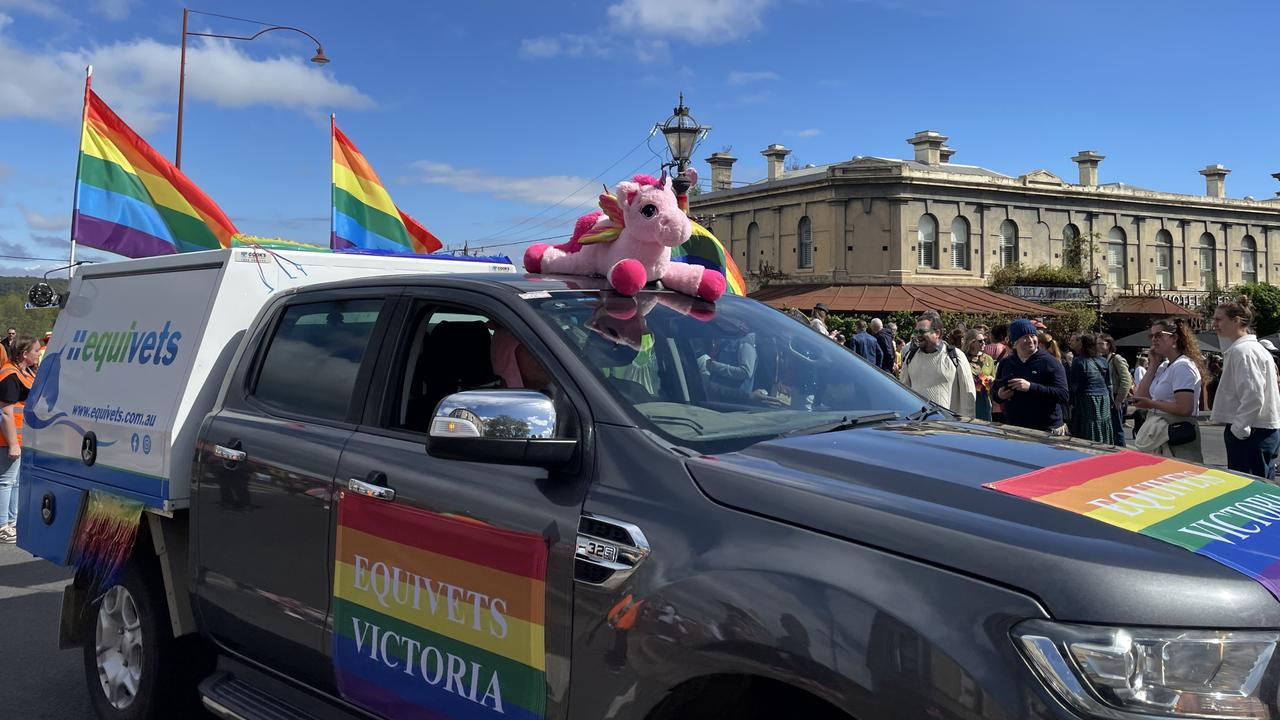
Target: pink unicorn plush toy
630,243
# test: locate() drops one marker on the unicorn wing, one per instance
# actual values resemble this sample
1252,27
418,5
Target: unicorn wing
612,209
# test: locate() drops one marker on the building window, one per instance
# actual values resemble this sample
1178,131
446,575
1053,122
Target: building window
1116,258
1008,243
1208,262
1164,260
804,239
753,248
1248,260
927,242
960,243
1072,252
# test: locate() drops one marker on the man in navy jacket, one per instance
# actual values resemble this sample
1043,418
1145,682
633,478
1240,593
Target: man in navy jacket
1031,384
864,344
884,338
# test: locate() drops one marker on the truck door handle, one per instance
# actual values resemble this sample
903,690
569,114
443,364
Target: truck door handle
231,454
372,489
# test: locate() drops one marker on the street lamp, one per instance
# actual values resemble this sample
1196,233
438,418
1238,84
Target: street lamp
1098,289
682,133
319,58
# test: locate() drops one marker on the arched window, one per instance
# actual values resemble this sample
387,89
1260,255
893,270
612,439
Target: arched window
804,244
753,248
960,243
1208,262
1116,275
1164,260
1072,252
1008,243
1248,259
927,242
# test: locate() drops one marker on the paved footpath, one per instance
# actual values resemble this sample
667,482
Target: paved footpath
39,681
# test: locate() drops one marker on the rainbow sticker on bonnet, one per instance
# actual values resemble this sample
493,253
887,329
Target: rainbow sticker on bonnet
436,617
1221,515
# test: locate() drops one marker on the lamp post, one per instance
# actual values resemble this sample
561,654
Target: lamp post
319,58
1098,289
682,133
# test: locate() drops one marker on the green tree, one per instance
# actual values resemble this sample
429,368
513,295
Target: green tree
505,426
1265,298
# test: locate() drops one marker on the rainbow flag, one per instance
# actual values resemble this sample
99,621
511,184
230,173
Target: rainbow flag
702,248
133,202
1215,513
363,214
436,616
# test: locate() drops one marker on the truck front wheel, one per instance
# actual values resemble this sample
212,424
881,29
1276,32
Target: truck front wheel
128,649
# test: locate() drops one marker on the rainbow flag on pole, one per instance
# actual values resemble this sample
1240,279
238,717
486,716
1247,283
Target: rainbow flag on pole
437,617
702,248
363,214
133,202
1221,515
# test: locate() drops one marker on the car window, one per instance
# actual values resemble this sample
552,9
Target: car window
719,377
313,358
451,349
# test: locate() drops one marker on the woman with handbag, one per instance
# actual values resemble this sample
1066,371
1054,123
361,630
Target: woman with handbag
1171,393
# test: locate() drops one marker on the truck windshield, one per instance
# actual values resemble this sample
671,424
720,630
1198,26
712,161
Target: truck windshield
718,378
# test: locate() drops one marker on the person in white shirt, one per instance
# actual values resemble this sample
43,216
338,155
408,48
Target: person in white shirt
937,371
1248,400
819,319
1172,389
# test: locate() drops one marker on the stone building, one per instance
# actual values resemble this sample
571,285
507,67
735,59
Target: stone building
929,221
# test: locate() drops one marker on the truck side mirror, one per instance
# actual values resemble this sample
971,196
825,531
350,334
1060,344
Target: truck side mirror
507,427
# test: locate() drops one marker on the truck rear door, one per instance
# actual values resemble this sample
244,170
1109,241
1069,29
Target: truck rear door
453,597
264,479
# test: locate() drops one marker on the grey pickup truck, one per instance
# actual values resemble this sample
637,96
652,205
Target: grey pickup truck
508,496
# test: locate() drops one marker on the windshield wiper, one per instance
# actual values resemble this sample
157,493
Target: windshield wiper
844,423
924,412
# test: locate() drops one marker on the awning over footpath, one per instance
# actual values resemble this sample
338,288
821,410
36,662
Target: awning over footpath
1146,305
1207,341
894,298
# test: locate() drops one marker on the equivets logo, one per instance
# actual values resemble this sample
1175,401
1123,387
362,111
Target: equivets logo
143,347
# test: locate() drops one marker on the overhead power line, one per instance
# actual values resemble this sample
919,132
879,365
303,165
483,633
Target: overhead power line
564,199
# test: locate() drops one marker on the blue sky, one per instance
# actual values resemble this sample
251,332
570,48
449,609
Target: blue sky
481,116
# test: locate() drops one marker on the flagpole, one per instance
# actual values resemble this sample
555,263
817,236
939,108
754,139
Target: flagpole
333,124
75,190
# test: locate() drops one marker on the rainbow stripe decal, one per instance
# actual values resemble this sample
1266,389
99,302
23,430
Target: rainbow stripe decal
436,617
1218,514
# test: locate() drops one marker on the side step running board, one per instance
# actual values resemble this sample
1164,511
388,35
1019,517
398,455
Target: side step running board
231,698
240,691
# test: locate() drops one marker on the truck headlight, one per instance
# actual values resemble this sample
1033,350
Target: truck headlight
1130,673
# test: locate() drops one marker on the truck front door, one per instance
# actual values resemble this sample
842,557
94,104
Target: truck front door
453,598
264,480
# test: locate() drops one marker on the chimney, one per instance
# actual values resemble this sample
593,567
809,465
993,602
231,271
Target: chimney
1088,161
946,153
1215,181
721,170
928,144
777,155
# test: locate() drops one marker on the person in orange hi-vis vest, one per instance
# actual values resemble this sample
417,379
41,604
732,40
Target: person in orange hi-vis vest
15,384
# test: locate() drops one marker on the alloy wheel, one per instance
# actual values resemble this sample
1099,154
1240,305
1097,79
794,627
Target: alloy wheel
118,642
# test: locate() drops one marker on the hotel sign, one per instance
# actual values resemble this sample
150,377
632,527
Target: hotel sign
1047,294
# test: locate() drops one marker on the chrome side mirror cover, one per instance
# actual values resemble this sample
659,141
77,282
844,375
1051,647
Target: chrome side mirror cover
508,427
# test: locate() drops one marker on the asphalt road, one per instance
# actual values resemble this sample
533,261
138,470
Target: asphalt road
38,681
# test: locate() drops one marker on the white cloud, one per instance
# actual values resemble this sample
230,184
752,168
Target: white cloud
138,79
565,44
39,221
113,9
38,8
809,132
542,190
743,78
704,22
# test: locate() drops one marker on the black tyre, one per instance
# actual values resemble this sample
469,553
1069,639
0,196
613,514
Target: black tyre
130,665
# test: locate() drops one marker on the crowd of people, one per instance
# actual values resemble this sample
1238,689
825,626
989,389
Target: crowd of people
1019,374
19,358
